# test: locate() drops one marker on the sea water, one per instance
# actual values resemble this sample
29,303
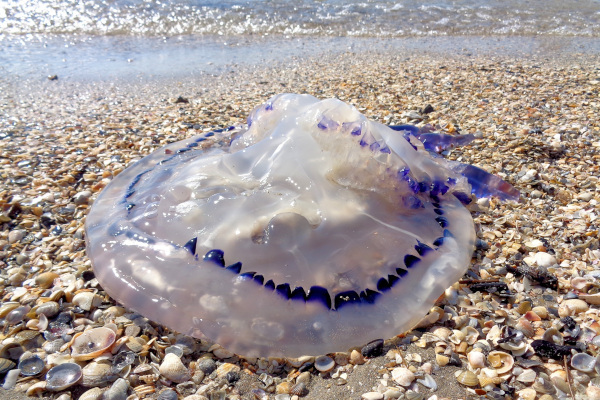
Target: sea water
106,38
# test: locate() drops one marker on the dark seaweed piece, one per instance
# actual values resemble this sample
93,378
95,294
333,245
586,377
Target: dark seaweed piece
373,348
544,348
539,275
499,288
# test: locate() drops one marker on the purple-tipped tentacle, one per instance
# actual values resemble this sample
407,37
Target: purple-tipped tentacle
484,184
436,142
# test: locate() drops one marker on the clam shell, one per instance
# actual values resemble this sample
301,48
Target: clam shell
544,386
92,343
324,363
97,374
572,307
442,359
49,309
583,362
553,335
63,376
8,307
6,365
46,279
31,366
173,369
527,376
467,378
403,376
502,362
92,394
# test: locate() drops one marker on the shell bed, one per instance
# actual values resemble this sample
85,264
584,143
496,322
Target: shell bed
309,230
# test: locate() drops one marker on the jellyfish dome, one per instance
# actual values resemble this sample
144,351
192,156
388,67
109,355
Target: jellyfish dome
309,230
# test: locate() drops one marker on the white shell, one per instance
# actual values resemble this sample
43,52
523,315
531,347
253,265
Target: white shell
403,376
324,363
173,369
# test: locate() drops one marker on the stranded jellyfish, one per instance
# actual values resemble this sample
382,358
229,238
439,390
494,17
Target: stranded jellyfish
309,230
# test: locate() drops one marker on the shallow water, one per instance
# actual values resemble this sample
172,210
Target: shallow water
131,39
364,18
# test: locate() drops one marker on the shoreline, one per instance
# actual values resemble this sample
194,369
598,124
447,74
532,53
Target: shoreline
115,58
535,114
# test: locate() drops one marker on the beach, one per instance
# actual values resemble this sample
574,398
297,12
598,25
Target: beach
535,115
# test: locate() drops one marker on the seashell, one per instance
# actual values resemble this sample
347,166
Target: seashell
540,311
581,283
324,363
593,299
92,343
572,307
484,345
583,362
8,307
169,394
31,366
10,380
178,351
49,309
356,358
523,307
527,376
6,365
26,336
442,359
471,334
118,390
542,385
121,360
560,380
403,376
92,394
457,336
56,295
38,324
592,392
299,389
53,346
502,362
63,376
46,279
16,315
36,389
144,390
86,300
489,376
97,374
476,359
467,378
526,394
224,369
553,335
525,326
173,369
412,395
428,382
442,333
220,352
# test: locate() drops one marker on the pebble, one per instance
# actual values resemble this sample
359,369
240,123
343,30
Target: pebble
82,197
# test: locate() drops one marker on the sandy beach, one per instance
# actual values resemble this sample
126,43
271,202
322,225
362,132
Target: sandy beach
537,125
